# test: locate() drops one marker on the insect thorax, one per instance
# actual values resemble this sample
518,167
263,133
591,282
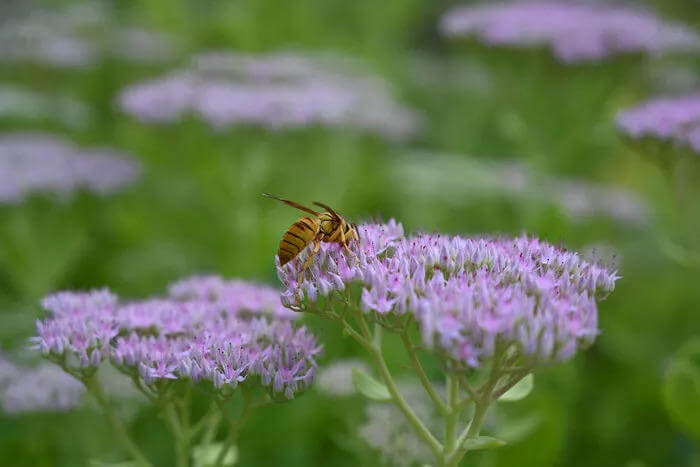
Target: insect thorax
328,223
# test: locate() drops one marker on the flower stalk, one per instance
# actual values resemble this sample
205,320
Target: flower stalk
95,389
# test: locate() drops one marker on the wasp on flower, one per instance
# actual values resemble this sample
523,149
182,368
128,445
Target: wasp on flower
328,227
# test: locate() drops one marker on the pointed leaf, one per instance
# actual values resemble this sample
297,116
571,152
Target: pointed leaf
482,442
205,455
520,391
369,387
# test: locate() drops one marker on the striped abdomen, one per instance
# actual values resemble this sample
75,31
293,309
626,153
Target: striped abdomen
296,238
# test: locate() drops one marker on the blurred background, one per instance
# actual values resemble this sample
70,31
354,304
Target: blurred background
137,136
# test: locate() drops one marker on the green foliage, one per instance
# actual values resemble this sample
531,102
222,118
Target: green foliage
681,388
520,391
369,387
207,455
482,442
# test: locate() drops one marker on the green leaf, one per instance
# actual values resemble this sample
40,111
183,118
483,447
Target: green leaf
521,389
681,394
205,455
369,387
513,430
482,442
96,463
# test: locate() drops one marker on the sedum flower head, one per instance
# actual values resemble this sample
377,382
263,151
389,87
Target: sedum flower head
31,162
208,330
574,31
675,120
280,90
466,294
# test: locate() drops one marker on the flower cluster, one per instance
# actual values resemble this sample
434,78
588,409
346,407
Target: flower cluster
276,91
466,294
575,32
45,388
77,36
674,119
40,162
206,330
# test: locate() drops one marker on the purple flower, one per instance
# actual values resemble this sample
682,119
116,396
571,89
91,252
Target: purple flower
574,31
672,119
222,332
467,294
81,326
241,297
276,91
32,162
45,388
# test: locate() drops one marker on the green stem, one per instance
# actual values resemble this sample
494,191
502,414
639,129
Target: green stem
418,368
376,353
234,427
481,406
471,394
180,435
208,423
452,416
93,387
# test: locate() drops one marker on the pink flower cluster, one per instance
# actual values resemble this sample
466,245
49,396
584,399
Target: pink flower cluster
31,162
207,329
466,294
574,31
280,90
671,119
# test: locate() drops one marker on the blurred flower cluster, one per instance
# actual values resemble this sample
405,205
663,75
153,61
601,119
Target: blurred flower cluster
208,330
277,90
335,379
574,31
675,120
466,294
386,430
31,162
459,179
77,36
44,388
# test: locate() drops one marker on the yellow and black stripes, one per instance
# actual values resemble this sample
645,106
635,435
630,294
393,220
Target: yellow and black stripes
296,238
329,227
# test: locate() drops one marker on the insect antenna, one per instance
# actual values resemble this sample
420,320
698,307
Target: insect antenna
292,204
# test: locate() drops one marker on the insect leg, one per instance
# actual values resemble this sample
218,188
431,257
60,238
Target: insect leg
307,263
344,242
